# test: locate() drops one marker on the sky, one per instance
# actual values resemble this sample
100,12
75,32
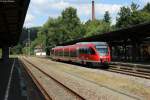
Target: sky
40,10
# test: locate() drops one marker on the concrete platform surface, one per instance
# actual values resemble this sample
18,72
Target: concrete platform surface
9,81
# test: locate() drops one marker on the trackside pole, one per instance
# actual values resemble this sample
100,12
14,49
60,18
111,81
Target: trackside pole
5,54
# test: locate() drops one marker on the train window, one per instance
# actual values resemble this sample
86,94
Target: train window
91,51
56,53
102,51
73,53
80,50
85,50
65,53
60,53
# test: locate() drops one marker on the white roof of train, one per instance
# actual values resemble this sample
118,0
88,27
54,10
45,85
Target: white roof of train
96,43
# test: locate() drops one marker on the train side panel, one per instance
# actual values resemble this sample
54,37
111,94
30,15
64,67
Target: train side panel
82,53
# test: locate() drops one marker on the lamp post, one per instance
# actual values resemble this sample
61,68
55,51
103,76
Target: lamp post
29,45
46,42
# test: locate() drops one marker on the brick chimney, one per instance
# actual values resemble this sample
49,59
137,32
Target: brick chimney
93,10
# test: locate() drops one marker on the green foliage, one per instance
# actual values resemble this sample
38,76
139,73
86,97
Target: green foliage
24,36
25,50
69,27
64,28
147,8
129,16
96,27
107,17
16,50
19,49
134,7
71,24
123,19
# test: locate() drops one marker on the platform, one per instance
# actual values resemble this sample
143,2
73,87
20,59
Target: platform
9,90
14,85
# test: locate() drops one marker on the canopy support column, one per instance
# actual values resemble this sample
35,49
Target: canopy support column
5,54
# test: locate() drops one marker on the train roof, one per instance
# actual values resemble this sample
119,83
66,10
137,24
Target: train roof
95,43
80,44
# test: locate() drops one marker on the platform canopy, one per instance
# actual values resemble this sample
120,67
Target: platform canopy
132,33
12,16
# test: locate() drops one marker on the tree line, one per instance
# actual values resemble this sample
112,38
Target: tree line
68,27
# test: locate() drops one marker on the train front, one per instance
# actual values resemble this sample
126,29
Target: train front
103,53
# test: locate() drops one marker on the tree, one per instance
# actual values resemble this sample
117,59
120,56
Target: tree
68,27
107,17
146,8
96,27
58,30
24,36
16,49
71,24
129,16
134,7
123,19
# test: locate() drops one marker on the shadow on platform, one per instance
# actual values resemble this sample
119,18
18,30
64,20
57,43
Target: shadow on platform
14,90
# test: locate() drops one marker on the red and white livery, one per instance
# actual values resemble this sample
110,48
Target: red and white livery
91,53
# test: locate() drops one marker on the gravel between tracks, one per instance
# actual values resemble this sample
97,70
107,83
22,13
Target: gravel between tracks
134,86
54,89
74,77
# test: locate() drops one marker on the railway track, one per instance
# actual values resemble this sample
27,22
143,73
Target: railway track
143,72
42,89
38,84
76,75
79,95
133,70
138,71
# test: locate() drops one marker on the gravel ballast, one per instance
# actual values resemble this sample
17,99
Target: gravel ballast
100,83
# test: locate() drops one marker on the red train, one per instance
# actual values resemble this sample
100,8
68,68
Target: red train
91,53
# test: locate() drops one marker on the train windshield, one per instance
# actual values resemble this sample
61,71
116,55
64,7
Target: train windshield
103,51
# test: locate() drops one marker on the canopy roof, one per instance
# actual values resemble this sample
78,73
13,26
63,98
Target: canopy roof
137,32
12,16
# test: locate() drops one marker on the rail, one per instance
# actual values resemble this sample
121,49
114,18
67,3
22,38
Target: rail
39,85
133,70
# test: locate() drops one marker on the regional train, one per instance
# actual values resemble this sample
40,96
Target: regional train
86,53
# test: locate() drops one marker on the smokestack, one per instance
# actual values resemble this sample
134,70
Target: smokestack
93,10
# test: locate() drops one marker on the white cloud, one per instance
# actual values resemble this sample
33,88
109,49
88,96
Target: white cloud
142,3
59,5
85,9
145,1
53,8
29,20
